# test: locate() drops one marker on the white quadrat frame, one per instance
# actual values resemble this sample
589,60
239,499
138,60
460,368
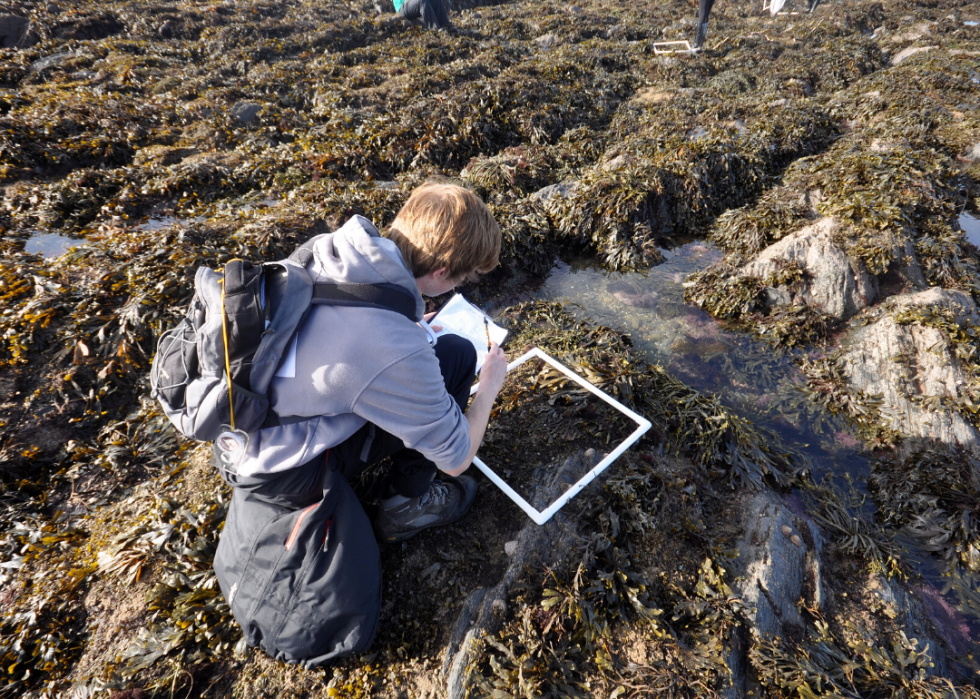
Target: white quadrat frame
540,517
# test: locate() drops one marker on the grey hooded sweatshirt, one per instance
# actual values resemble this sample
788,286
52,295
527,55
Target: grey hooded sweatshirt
357,365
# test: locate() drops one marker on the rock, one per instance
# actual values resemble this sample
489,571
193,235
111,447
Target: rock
388,184
13,31
973,155
245,112
536,547
563,189
510,548
52,8
834,284
55,59
907,364
697,133
772,571
916,32
547,41
163,155
910,51
909,615
616,163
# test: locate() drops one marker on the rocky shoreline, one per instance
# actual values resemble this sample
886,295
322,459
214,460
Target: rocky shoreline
828,155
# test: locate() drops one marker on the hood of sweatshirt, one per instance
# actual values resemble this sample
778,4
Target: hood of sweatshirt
357,253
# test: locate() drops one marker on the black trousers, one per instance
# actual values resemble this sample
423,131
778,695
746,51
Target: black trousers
432,13
410,473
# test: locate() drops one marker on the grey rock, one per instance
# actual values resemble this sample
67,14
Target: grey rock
388,184
547,41
55,59
245,112
554,190
697,133
911,616
835,284
907,363
910,51
13,31
973,155
772,572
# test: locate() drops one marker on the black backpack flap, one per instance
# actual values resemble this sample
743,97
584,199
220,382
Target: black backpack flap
244,316
295,591
334,610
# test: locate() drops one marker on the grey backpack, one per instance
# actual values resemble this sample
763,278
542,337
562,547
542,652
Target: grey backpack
214,368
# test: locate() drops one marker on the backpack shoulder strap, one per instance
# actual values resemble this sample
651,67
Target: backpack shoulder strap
387,296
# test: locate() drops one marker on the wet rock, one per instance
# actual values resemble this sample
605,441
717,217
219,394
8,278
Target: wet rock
833,283
245,112
14,31
914,368
773,572
910,615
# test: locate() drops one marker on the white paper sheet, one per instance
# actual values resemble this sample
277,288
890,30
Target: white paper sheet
462,318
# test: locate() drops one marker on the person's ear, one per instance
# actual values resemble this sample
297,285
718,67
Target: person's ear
440,275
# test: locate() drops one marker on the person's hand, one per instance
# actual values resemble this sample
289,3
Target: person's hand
430,316
494,370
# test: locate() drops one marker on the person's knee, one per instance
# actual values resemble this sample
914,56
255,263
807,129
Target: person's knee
457,351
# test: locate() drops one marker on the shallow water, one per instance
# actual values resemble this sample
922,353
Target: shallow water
50,244
748,376
971,227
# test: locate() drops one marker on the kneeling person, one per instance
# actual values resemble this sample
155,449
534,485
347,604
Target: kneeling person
366,383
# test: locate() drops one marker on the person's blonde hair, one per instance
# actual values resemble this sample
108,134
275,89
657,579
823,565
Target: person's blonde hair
445,225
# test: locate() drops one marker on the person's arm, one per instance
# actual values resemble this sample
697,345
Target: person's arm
492,377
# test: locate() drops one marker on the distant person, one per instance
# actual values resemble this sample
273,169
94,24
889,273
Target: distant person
432,12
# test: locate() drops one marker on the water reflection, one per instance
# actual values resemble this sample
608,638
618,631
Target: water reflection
50,244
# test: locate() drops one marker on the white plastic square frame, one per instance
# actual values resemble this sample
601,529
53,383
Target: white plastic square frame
543,516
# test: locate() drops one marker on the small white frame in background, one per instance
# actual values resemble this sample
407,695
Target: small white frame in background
661,47
546,514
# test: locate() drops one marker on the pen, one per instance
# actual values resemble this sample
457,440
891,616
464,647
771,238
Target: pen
486,326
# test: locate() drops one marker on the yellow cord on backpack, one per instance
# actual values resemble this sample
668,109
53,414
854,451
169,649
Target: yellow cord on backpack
224,332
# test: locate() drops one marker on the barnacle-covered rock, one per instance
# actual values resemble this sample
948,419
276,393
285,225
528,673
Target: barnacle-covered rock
775,572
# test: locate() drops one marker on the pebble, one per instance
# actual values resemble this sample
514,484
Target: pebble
796,540
510,548
786,530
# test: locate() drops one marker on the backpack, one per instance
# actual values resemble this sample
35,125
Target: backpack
214,368
303,584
